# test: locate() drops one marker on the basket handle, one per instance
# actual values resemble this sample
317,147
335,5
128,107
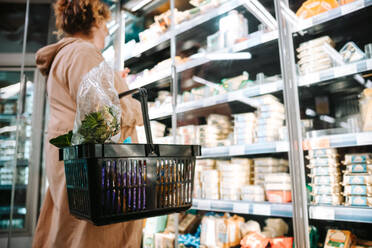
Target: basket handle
145,113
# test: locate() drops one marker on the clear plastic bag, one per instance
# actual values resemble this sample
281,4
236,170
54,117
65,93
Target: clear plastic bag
98,110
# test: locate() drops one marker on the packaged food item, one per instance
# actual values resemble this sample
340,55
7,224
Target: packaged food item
326,189
280,193
242,161
250,117
188,224
277,178
334,199
254,240
277,226
267,162
252,189
358,190
249,226
228,231
359,168
208,231
270,169
358,158
323,161
357,178
338,238
314,7
253,197
282,242
325,180
164,240
350,52
325,171
358,201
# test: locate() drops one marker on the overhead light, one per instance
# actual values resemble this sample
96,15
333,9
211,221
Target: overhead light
228,56
140,5
327,118
310,112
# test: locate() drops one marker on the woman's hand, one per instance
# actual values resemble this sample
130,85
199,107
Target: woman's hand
124,73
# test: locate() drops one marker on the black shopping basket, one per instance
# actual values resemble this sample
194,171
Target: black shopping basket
110,183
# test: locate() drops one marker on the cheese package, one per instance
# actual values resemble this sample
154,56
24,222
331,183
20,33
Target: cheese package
358,201
326,189
334,199
357,178
267,162
253,197
358,190
358,158
325,180
325,171
359,168
323,161
338,238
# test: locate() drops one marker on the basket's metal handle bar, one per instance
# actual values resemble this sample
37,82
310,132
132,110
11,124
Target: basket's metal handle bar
145,113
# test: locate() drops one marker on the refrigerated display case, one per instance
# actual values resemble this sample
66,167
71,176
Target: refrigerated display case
222,57
20,112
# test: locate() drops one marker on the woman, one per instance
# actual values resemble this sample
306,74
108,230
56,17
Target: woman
83,22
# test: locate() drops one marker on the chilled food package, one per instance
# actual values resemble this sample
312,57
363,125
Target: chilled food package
252,189
249,226
277,178
357,178
326,180
338,238
98,112
254,240
323,161
253,197
326,189
265,99
270,169
312,8
245,117
335,199
358,168
358,201
242,161
278,193
361,190
358,158
323,153
267,162
324,171
350,52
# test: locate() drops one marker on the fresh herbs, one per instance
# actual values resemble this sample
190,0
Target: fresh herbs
96,128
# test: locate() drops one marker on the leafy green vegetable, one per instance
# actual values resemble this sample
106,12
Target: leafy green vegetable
97,127
62,140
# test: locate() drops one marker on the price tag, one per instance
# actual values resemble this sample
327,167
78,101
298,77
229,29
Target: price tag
309,79
282,146
261,209
322,213
241,208
268,88
204,204
237,150
364,138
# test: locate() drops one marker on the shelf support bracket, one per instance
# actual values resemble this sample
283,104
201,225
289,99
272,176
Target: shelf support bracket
260,12
291,17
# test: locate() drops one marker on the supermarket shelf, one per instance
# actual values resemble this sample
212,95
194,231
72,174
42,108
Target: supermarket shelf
339,140
7,117
333,14
336,72
243,207
341,213
149,45
151,79
240,150
20,162
17,210
9,187
187,25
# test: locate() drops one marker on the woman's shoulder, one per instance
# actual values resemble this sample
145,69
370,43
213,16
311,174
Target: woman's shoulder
81,48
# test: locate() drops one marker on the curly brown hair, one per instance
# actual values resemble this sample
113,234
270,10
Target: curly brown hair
79,16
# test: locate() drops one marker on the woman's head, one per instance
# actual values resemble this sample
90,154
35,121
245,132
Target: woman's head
83,18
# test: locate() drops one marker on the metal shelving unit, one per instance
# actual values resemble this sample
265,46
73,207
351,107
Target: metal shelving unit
257,42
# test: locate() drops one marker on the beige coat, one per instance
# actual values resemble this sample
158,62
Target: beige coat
65,63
